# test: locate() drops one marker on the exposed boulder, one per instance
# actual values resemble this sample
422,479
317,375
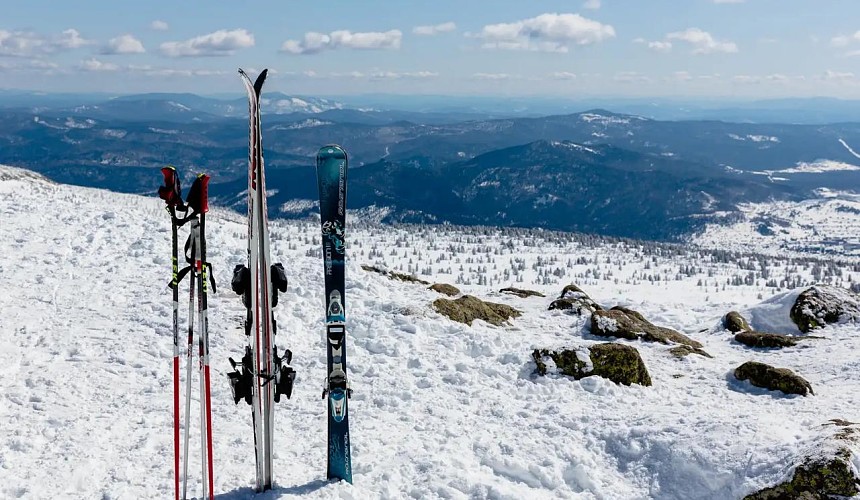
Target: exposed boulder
774,379
468,308
445,289
758,339
616,362
735,323
629,324
572,290
683,351
519,292
573,299
816,479
821,305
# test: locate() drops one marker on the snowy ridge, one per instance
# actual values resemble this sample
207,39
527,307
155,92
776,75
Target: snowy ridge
828,226
441,409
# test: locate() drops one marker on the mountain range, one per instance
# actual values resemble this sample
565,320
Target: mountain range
594,171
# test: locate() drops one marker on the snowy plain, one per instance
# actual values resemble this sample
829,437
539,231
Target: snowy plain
440,409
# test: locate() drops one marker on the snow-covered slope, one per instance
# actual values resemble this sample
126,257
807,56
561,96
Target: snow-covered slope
440,410
829,225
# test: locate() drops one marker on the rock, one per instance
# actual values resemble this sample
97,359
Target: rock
519,292
758,339
616,362
578,306
735,323
468,308
821,305
816,479
628,324
683,351
774,379
446,289
394,275
572,290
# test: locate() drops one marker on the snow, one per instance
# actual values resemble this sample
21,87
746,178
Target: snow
440,409
754,138
815,167
850,150
824,226
573,145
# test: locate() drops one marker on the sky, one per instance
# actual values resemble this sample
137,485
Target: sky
552,48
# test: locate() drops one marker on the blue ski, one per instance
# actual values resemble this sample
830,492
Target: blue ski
331,175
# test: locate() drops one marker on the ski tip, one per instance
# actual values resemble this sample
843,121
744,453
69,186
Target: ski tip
331,151
258,84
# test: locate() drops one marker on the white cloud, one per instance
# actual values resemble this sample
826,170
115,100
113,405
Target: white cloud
156,71
434,29
219,43
546,33
159,25
70,39
391,75
703,42
492,76
659,46
631,77
563,75
844,40
314,42
19,43
29,44
591,4
94,64
124,44
840,76
681,76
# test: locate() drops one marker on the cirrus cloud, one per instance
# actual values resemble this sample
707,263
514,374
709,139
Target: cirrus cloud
314,42
218,43
550,32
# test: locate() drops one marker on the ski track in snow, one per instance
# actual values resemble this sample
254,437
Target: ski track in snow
440,409
850,150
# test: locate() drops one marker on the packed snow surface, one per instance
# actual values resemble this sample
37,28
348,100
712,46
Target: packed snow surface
440,409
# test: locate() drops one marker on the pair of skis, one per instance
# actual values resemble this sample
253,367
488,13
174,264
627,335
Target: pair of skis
262,377
193,212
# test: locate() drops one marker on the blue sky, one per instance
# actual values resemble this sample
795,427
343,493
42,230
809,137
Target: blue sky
567,48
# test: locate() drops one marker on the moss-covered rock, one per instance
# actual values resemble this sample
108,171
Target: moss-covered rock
735,323
758,339
445,289
468,308
683,351
816,478
821,305
616,362
774,379
629,324
519,292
